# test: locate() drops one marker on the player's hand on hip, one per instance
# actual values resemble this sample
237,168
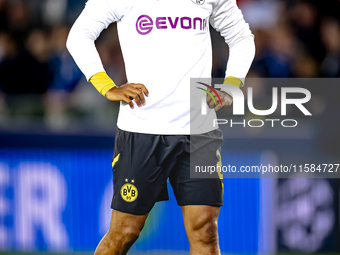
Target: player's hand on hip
226,99
127,93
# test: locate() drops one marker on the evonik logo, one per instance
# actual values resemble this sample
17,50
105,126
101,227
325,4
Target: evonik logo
145,23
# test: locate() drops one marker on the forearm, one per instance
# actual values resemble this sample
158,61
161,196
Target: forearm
227,19
241,56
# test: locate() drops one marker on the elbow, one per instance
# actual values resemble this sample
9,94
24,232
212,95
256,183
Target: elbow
244,45
245,42
70,41
246,38
73,38
250,42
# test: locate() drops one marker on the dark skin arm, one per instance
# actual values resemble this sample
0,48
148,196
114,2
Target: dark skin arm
127,92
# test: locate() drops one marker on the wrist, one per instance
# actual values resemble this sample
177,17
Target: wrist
108,88
231,80
102,82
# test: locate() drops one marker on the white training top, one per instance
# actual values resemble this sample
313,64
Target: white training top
164,44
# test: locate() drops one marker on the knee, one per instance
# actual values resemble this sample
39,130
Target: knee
204,230
130,233
118,239
117,242
124,231
207,233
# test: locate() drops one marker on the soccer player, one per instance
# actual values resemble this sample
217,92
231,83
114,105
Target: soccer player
164,44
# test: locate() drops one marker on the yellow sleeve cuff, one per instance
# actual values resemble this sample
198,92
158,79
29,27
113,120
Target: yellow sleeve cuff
231,80
102,82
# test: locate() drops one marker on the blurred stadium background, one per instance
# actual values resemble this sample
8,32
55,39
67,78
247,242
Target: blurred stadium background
57,134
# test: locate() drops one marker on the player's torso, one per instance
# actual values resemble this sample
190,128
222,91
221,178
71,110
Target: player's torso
164,32
164,44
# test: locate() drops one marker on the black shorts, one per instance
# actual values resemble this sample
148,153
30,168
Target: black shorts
142,163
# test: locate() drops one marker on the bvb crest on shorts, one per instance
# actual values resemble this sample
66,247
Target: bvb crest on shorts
129,192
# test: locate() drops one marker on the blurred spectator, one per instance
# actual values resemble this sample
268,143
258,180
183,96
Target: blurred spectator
3,15
65,73
277,51
306,67
330,35
261,14
25,71
304,20
18,21
54,11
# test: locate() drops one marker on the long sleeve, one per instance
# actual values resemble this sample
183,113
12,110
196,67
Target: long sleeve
227,19
96,16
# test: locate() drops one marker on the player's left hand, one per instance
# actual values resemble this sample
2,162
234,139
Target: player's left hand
226,99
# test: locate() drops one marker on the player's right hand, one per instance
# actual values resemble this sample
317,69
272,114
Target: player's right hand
127,93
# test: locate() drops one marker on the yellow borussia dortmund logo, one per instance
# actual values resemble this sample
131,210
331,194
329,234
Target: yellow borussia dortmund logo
129,192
